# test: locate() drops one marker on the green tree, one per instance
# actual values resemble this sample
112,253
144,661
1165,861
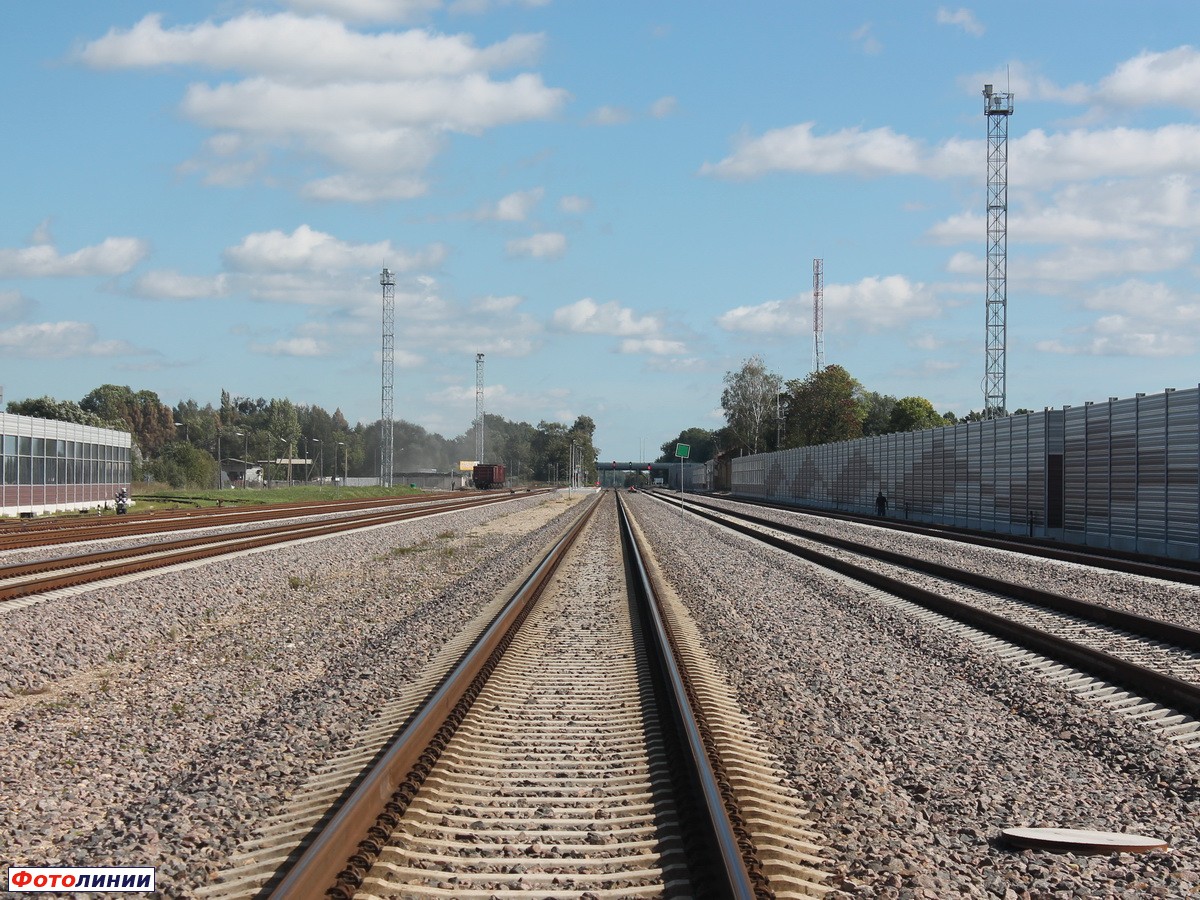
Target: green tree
749,401
182,465
58,410
914,414
701,442
148,419
823,408
876,412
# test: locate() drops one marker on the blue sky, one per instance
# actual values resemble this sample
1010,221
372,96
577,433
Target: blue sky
616,202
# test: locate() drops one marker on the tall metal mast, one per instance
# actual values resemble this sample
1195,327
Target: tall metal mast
386,438
818,315
479,407
997,107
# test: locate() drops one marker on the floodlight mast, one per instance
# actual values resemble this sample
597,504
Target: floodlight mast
997,107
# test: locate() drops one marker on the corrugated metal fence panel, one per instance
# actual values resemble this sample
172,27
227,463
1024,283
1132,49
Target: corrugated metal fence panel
1131,473
1075,471
1123,469
1183,469
1037,448
1152,470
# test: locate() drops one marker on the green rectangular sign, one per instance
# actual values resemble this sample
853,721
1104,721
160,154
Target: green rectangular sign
682,450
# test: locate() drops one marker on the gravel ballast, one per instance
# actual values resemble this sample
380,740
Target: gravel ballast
154,723
915,748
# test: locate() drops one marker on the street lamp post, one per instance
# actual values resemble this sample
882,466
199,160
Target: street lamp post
245,459
288,444
345,461
319,451
186,433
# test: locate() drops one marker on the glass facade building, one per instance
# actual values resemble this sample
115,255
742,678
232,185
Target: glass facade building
50,466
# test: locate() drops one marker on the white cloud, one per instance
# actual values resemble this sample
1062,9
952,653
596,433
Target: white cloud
872,304
962,17
586,316
1037,158
303,347
41,234
663,107
514,207
771,317
653,346
59,340
963,263
867,42
1085,263
306,249
375,108
496,304
796,148
112,256
14,305
364,188
545,245
1166,78
300,49
575,204
469,104
166,284
609,115
369,10
1138,209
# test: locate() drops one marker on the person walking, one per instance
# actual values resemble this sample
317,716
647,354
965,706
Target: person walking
881,504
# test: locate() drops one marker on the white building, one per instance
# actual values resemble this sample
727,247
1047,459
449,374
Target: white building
51,466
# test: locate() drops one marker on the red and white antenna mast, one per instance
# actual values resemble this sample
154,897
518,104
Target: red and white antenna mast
818,315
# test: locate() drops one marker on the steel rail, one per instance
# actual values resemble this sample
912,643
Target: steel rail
320,868
167,553
739,872
1165,689
76,531
1182,571
1135,623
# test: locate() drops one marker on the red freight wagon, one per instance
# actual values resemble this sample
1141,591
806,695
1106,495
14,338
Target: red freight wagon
487,475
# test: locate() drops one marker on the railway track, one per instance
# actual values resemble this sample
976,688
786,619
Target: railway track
1177,570
1144,667
61,530
577,745
22,581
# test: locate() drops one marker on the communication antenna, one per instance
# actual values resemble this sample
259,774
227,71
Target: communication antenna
479,407
818,315
386,438
997,107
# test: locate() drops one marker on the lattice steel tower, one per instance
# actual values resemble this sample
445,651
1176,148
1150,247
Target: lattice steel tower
818,315
997,108
479,407
386,438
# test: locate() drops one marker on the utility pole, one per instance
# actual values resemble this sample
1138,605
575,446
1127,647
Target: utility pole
479,407
386,437
997,107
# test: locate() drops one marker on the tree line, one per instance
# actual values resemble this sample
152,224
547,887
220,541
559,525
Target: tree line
763,412
181,445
